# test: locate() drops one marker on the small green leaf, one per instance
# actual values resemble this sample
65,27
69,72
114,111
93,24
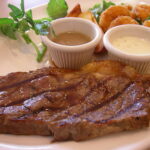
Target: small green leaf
8,27
96,10
99,8
57,8
23,26
107,4
28,17
26,38
22,6
29,14
5,21
41,52
16,12
42,27
8,30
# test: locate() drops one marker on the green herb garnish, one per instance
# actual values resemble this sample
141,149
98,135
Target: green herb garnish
107,4
122,4
99,8
21,22
139,21
148,18
96,10
8,27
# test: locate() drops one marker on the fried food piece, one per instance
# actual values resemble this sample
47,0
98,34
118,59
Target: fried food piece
142,11
146,23
132,15
109,67
129,7
75,12
112,13
122,20
88,15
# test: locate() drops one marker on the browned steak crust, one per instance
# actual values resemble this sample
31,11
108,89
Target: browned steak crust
103,97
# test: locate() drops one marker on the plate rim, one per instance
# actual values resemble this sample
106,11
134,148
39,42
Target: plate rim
4,146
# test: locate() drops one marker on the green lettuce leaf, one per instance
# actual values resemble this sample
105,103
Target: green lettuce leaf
97,9
107,4
57,8
15,13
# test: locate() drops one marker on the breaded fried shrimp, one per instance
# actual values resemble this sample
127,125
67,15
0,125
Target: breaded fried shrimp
146,23
129,7
132,15
110,14
122,20
142,11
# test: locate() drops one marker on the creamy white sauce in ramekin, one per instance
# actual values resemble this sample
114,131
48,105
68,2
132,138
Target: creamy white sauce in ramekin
132,45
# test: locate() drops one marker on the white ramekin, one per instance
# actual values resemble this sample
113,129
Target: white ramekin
73,57
140,62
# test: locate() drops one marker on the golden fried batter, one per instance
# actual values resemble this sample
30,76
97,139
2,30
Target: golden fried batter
129,7
146,23
75,12
142,11
122,20
112,13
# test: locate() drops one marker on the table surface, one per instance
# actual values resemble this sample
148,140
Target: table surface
28,4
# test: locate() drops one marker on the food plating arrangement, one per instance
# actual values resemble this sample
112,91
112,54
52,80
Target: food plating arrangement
91,75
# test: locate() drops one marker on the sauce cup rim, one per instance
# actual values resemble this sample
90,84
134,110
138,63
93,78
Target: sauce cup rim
75,48
112,49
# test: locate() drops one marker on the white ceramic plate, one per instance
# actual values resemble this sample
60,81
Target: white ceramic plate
17,56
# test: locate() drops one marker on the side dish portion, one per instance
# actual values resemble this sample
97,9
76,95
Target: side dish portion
129,44
70,55
101,98
108,14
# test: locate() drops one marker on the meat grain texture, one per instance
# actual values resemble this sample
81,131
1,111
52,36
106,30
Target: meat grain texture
101,98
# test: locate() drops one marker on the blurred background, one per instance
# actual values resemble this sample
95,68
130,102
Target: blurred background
4,10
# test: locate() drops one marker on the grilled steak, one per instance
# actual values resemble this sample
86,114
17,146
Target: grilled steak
103,97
